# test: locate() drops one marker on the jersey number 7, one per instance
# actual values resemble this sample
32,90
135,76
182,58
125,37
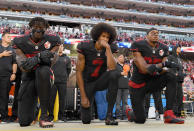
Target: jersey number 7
99,65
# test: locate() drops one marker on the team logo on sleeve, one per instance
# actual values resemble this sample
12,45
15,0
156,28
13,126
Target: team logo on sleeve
47,45
161,52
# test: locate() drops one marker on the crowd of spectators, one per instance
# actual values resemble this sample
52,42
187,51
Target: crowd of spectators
179,2
188,85
128,6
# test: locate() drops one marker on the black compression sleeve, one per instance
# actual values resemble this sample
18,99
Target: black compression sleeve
30,63
153,68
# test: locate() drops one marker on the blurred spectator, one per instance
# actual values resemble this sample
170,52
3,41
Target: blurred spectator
8,70
123,88
61,70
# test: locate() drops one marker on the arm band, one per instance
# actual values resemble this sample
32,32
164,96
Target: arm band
153,68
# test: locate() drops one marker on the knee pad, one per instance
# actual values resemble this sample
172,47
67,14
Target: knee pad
140,121
86,118
86,121
24,120
24,124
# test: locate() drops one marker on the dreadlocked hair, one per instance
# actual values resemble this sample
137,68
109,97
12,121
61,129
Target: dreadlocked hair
38,19
98,29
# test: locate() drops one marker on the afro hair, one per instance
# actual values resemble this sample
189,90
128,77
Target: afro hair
38,19
98,29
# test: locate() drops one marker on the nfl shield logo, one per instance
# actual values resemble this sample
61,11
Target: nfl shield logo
161,52
47,45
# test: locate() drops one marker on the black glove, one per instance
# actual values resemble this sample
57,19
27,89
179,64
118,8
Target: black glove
30,63
170,64
45,57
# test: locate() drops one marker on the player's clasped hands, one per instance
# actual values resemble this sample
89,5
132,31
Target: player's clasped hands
169,64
